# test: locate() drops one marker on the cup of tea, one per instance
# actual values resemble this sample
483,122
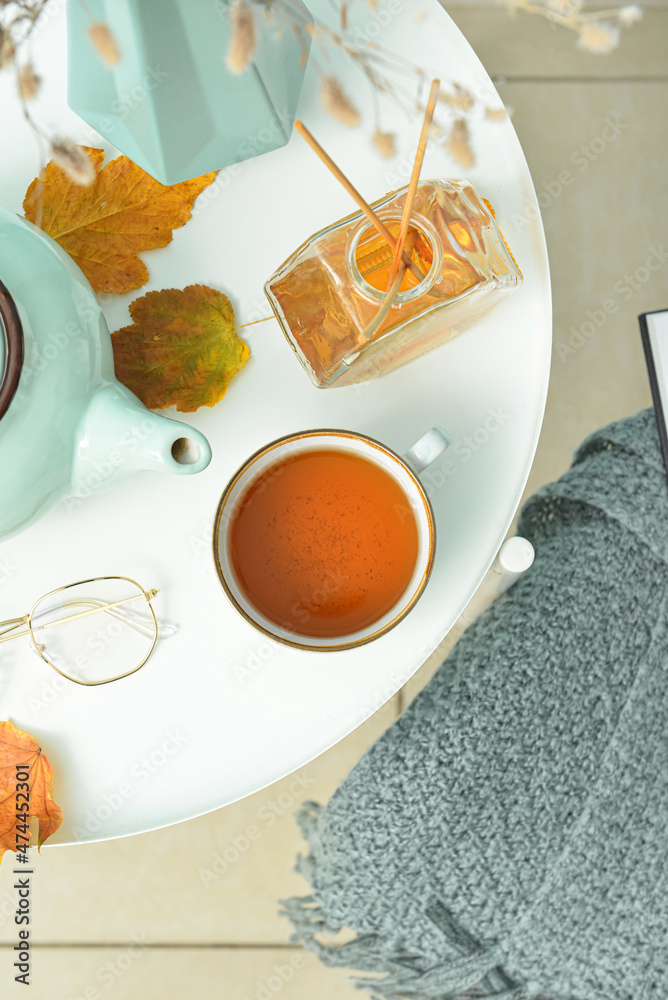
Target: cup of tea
325,539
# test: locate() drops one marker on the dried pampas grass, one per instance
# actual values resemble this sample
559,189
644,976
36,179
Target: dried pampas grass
28,82
458,145
74,160
6,49
243,40
459,99
384,143
598,37
336,102
104,43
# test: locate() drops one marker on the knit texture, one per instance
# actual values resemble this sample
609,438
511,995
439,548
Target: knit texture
508,835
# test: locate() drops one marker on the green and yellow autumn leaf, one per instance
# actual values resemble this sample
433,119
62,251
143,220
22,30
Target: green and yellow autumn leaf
182,348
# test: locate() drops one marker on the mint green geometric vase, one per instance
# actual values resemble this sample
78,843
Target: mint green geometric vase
171,104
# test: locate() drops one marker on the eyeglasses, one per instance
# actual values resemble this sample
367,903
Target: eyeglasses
94,631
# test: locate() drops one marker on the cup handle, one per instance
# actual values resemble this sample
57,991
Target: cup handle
425,451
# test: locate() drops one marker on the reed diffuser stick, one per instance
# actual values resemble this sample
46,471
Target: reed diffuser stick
356,196
415,177
370,330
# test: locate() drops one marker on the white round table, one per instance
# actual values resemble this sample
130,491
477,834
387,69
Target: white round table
220,711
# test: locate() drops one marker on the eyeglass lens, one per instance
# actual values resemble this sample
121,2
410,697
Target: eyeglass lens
94,647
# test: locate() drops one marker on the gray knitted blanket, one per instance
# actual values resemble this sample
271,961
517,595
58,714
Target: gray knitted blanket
508,835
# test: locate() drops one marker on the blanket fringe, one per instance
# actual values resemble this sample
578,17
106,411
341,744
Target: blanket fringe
402,975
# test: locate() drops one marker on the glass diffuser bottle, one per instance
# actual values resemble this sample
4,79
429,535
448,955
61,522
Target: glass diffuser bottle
327,294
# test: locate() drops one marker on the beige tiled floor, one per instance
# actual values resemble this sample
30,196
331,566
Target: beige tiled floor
159,916
202,883
134,972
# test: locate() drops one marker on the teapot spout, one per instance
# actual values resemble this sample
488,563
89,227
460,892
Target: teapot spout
118,436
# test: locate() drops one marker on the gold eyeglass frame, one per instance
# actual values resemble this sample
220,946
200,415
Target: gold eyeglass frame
10,624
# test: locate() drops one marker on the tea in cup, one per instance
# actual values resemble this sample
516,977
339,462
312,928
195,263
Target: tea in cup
325,539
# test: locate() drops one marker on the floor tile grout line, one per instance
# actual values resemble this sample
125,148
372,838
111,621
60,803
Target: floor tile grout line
162,945
500,79
492,6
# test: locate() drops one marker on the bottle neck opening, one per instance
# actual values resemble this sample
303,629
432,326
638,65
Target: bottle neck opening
369,256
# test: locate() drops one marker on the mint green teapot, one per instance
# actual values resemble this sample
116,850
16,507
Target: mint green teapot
67,426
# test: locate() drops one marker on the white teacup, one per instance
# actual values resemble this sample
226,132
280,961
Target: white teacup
403,470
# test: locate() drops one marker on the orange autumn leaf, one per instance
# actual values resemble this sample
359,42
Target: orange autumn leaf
182,348
105,225
17,747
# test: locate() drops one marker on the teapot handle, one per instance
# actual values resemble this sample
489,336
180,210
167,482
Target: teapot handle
13,332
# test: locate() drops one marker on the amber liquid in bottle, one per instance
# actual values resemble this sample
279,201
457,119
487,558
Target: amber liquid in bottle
328,293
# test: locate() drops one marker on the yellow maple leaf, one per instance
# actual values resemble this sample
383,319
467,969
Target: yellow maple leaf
182,348
105,225
19,804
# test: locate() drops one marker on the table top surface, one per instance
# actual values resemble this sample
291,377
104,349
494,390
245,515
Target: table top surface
220,711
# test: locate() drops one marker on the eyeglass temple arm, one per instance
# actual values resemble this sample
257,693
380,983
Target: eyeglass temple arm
137,621
11,624
15,622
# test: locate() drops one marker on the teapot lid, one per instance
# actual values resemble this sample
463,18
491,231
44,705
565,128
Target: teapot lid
11,349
